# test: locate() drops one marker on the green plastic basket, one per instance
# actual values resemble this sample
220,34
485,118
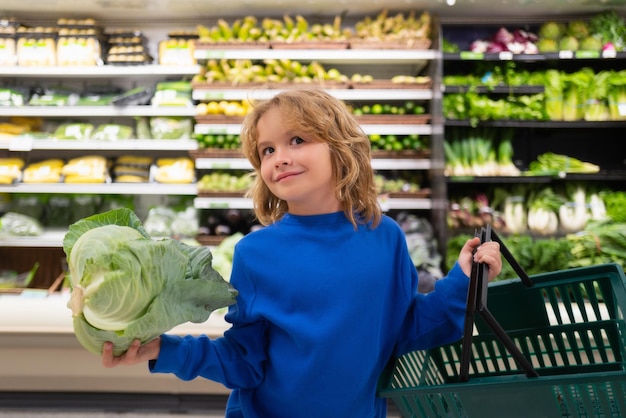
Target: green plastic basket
570,325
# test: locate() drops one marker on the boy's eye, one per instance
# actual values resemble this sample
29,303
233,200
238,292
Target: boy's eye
266,151
297,140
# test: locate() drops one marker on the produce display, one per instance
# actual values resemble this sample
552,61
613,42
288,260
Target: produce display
219,141
537,209
274,72
403,183
479,152
601,32
125,285
583,94
127,47
391,142
175,170
224,181
178,49
398,31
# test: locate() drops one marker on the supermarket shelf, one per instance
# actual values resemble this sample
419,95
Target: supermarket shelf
338,56
51,238
103,188
377,164
96,111
243,203
343,94
40,353
36,311
222,203
382,129
107,71
29,144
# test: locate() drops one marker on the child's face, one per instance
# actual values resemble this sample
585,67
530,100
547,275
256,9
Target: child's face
297,170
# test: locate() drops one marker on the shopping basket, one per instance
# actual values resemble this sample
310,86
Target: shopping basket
569,325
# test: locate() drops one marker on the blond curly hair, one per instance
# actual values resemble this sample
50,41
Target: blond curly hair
316,114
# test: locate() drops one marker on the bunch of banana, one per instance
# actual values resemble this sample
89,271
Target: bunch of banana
46,171
235,72
10,170
386,28
408,79
245,29
87,169
175,170
299,29
224,107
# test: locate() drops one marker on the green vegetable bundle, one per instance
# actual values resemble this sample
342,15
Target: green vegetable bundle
126,285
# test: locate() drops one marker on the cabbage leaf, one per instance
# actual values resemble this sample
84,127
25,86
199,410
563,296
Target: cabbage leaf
125,285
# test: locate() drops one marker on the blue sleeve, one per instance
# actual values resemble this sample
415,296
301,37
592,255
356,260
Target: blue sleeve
236,360
232,360
436,318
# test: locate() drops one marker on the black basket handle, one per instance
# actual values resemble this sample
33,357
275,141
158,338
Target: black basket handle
477,301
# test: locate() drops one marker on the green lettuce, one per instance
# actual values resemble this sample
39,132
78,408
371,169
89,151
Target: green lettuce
126,285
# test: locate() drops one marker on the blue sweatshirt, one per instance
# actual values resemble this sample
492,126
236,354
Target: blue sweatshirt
321,308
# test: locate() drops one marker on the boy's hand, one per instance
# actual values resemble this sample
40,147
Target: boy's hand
135,354
488,253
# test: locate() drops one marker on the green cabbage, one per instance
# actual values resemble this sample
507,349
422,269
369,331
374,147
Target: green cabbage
126,285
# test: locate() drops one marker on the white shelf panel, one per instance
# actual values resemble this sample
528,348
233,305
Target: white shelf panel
401,164
96,111
222,203
107,71
217,128
422,204
397,129
377,163
223,163
104,188
340,56
50,238
28,144
343,94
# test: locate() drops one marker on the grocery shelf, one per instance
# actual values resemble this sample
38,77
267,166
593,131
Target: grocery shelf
244,203
549,56
103,188
377,163
29,144
50,238
383,129
96,111
540,124
41,353
107,71
208,93
338,56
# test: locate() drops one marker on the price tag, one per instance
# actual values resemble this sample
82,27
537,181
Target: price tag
207,54
211,95
588,54
206,129
223,166
505,55
21,144
609,53
566,55
468,55
383,200
219,205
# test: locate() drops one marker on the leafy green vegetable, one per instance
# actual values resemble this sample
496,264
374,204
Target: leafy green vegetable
126,285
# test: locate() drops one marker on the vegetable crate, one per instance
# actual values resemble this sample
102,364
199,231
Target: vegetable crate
570,325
